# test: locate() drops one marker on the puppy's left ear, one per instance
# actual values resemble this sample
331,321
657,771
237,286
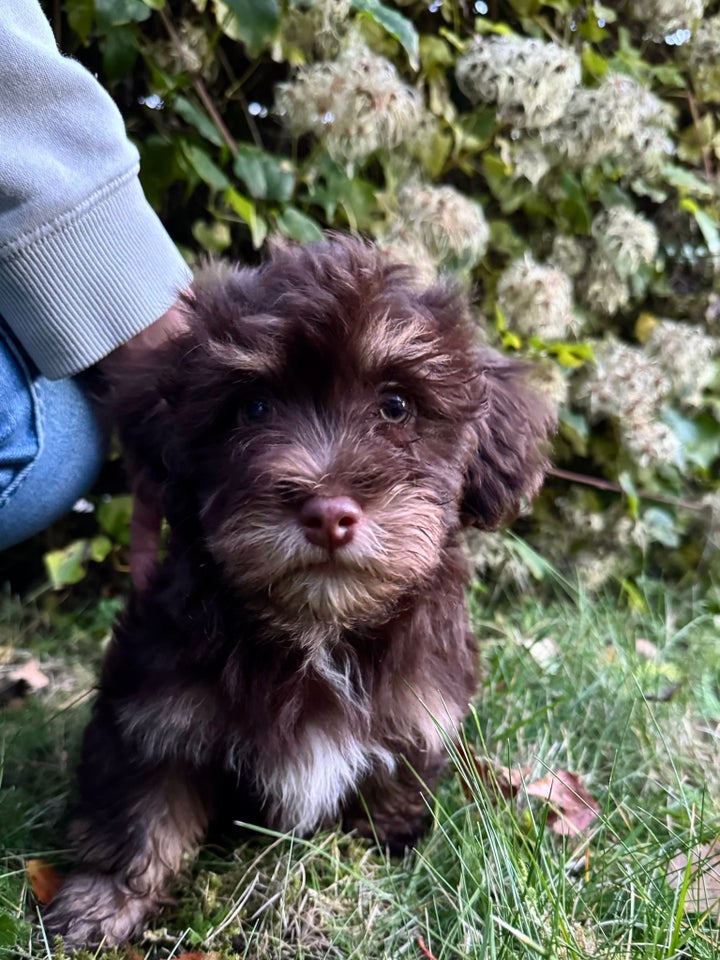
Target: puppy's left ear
512,434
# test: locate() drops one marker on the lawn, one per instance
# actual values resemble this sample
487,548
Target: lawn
620,692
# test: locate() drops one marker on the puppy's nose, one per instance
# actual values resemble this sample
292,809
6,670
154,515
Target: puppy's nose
330,522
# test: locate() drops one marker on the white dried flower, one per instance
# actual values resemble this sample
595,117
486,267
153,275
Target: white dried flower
529,161
705,59
603,289
663,17
536,300
686,354
626,383
445,221
356,103
618,120
550,380
569,254
531,81
317,26
402,246
650,442
624,239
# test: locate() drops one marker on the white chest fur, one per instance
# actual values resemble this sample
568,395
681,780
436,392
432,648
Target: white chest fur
308,786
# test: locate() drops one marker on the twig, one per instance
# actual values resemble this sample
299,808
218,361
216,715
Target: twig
200,87
426,952
601,484
703,147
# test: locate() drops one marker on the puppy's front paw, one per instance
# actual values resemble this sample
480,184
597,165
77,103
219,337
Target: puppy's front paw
94,908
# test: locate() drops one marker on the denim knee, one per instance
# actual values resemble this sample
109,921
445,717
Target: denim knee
51,445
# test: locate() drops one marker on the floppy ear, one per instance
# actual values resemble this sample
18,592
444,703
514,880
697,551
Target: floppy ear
512,432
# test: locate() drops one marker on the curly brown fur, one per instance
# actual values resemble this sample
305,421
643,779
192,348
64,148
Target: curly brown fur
321,433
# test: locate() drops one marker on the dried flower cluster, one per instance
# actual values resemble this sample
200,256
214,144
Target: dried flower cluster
569,254
445,221
624,239
537,300
356,104
618,120
629,386
624,242
530,81
663,17
317,26
685,352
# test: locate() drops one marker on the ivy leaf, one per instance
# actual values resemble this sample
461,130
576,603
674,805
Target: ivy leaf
396,25
113,518
67,566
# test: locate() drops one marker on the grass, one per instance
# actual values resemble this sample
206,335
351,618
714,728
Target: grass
625,697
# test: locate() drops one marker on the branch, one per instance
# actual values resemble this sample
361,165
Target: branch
601,484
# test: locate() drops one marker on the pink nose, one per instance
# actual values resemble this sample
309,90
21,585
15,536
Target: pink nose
330,522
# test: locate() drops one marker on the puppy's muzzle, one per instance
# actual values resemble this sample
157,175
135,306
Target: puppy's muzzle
330,522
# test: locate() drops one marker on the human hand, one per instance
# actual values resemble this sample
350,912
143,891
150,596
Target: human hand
117,368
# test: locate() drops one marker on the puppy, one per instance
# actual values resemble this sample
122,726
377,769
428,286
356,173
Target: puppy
321,433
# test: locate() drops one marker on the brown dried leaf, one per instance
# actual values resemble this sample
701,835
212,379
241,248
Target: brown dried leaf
44,880
573,809
703,892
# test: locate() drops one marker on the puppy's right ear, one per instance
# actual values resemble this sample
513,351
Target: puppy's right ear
512,435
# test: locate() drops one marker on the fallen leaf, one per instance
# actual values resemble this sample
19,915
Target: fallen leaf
703,891
44,880
31,674
573,809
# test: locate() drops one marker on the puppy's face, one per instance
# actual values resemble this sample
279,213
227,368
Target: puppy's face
331,423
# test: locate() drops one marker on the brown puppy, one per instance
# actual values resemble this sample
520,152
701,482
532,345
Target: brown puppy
326,427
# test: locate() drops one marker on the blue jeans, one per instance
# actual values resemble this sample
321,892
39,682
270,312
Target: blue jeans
51,445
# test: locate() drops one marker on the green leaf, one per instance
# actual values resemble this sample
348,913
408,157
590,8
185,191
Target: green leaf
114,516
396,25
67,566
247,212
699,437
214,237
120,51
100,548
685,181
254,22
155,4
81,16
298,226
267,177
204,167
197,118
113,13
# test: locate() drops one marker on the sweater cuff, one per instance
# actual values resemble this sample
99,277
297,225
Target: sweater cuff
77,288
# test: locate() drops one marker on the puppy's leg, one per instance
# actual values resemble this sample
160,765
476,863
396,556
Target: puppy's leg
391,807
134,827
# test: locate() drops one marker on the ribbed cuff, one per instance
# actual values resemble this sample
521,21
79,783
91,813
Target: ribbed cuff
79,287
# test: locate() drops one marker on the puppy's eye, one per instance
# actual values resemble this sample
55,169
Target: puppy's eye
257,410
395,408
